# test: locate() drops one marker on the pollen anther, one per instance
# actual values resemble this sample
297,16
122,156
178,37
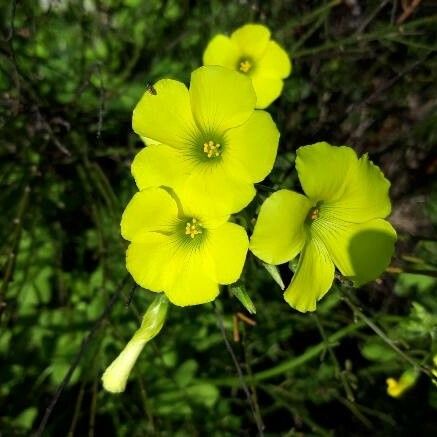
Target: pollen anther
245,66
193,228
314,214
211,149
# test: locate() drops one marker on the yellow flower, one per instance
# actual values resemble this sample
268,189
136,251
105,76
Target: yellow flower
179,249
338,223
250,50
207,141
395,388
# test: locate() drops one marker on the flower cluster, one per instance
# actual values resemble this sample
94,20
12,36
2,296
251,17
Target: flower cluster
206,147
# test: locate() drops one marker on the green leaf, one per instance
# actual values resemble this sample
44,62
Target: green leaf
376,350
26,418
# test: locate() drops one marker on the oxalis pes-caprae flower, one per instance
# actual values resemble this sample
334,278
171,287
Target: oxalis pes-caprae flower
337,223
206,148
250,51
208,141
178,247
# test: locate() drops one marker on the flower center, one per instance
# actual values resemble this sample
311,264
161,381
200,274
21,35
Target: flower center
193,227
313,214
211,149
245,65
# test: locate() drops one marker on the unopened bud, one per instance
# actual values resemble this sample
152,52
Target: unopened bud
116,375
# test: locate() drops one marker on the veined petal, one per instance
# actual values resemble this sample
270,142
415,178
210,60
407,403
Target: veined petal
252,39
147,260
159,164
216,192
267,89
221,51
191,278
227,246
365,196
324,170
360,251
165,117
253,145
279,233
313,278
275,62
221,98
152,209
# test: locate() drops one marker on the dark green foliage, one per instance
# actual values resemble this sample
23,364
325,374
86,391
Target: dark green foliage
70,75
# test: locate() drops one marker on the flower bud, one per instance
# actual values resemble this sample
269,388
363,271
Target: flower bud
116,375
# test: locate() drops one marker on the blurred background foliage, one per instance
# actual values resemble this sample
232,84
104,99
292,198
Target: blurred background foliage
71,72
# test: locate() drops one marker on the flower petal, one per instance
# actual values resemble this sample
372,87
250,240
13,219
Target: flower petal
221,51
221,98
253,145
146,260
213,191
158,165
192,283
267,89
165,117
365,196
279,233
152,209
275,62
228,248
313,277
360,251
252,39
324,169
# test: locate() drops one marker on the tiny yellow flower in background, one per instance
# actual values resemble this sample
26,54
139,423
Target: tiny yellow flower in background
116,375
208,141
179,248
395,388
250,51
339,222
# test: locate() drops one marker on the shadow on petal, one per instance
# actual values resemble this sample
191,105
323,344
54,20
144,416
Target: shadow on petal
370,253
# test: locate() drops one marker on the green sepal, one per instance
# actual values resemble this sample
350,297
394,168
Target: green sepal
239,291
274,273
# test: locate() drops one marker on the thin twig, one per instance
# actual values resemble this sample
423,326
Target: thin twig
339,372
78,357
359,314
221,326
77,410
384,87
12,21
408,11
372,15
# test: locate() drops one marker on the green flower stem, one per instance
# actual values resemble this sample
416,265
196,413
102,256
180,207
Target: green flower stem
359,314
389,33
116,375
339,374
8,267
399,270
293,363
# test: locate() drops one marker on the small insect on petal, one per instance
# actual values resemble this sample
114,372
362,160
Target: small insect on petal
151,89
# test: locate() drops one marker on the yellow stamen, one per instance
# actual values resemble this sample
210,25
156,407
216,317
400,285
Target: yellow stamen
245,66
193,228
314,214
211,149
